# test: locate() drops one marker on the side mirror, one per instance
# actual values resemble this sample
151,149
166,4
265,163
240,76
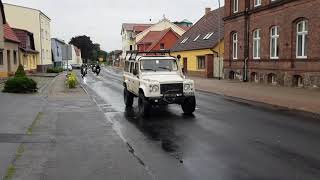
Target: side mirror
135,72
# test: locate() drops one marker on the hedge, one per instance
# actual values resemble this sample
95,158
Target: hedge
20,85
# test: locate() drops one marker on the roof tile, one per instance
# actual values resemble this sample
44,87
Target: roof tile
9,34
209,23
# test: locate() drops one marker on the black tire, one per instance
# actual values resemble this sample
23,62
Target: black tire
144,106
189,105
127,97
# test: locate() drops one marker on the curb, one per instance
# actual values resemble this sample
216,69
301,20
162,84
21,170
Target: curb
285,109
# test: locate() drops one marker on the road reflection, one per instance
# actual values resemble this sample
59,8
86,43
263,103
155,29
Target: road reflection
160,127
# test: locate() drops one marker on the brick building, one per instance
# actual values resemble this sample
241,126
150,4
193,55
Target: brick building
273,41
158,40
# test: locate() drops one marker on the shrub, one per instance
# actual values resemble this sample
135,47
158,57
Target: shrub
54,70
20,71
20,85
72,80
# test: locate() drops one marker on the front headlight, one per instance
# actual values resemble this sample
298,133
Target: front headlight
187,87
155,88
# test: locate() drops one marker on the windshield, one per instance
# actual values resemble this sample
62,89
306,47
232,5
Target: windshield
158,65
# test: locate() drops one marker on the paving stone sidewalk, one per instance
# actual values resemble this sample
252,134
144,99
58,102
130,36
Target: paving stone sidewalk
307,100
72,139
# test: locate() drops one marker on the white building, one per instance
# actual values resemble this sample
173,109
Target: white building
36,22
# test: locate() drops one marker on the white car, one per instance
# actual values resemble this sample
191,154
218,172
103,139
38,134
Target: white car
69,67
156,80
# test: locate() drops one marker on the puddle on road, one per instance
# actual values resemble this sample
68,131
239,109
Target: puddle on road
159,129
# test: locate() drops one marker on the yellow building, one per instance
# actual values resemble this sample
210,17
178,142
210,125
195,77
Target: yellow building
28,56
36,22
202,47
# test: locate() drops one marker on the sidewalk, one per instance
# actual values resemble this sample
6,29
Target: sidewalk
307,100
17,114
73,140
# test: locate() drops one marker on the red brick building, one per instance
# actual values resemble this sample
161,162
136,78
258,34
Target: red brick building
158,40
273,41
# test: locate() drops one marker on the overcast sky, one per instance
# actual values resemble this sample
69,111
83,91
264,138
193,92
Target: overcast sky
102,19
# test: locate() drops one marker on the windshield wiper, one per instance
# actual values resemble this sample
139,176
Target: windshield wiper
165,68
149,69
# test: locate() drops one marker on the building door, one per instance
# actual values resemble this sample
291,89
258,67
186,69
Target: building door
185,65
9,61
218,67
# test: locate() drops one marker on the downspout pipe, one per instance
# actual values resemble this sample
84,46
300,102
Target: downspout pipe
247,41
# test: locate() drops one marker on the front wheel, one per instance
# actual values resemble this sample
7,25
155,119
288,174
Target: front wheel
127,97
189,105
144,106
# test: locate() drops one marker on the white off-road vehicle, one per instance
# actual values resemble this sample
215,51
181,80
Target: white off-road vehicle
156,79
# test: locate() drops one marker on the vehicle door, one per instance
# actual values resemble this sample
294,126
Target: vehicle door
130,77
126,72
136,79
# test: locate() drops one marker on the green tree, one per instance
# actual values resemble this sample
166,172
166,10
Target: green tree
85,44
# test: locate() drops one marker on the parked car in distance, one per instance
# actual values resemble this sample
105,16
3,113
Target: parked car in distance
67,67
76,66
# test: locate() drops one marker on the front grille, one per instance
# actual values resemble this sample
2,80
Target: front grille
171,88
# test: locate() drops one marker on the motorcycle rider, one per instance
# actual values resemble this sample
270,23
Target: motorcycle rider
98,69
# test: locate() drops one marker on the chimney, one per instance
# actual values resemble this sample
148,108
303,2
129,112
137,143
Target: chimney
207,10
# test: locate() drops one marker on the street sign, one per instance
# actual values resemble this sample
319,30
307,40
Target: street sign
66,52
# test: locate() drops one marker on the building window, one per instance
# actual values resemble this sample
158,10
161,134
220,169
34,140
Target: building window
195,39
1,57
274,42
256,44
272,79
235,6
131,48
257,3
208,36
161,46
15,57
302,38
42,34
184,40
42,54
201,60
58,54
235,45
8,56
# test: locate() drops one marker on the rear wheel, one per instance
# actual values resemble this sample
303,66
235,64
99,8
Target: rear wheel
128,97
189,105
144,106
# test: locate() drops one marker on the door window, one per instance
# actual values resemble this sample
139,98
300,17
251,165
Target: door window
131,67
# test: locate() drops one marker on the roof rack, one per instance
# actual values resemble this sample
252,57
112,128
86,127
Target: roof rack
133,54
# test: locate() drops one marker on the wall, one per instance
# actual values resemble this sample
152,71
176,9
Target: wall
29,19
4,69
46,57
285,16
56,47
168,40
192,60
28,60
126,42
162,25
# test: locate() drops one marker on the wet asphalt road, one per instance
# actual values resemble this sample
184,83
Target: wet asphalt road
224,140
